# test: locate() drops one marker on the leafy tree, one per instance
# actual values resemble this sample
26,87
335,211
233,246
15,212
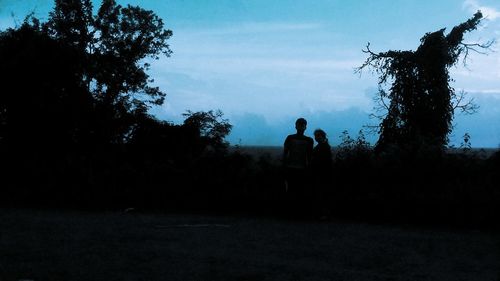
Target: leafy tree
96,63
79,81
71,22
123,38
114,45
420,101
209,127
116,42
353,149
42,99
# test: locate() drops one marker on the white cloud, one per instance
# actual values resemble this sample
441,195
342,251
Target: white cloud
488,12
253,27
492,92
235,66
481,74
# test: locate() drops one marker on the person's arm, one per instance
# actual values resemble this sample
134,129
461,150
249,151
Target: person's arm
286,150
309,152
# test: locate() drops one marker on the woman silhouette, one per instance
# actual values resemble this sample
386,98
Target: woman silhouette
321,169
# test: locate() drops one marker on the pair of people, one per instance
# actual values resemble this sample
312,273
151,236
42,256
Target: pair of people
308,167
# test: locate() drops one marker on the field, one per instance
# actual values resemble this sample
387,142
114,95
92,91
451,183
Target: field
50,245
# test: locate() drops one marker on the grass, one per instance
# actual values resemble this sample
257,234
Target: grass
50,245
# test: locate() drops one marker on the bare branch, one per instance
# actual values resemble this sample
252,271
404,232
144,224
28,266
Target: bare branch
374,60
372,129
468,107
476,48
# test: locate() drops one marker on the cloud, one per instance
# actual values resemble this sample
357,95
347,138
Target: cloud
486,92
246,32
488,12
255,129
263,75
260,27
243,65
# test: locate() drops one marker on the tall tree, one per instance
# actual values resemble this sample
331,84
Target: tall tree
115,45
42,100
421,101
124,37
83,68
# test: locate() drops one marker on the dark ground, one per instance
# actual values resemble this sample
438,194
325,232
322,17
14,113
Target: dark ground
50,245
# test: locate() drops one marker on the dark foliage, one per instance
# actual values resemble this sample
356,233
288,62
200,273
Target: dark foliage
421,102
74,127
79,78
43,100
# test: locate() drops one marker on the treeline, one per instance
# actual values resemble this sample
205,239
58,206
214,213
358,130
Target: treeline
74,101
75,132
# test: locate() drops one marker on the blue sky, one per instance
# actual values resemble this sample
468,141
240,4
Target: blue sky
265,63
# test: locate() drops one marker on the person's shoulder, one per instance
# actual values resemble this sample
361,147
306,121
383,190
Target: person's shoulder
288,139
304,138
300,137
293,136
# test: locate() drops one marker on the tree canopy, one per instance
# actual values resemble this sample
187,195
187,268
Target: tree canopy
80,68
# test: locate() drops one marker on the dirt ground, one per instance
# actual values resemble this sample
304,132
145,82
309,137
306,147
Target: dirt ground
49,245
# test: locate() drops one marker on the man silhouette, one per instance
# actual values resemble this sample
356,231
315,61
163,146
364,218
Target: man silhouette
297,155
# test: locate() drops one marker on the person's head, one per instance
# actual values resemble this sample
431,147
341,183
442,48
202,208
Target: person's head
320,136
301,125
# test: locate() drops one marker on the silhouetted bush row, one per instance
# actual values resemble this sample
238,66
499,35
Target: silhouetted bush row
450,188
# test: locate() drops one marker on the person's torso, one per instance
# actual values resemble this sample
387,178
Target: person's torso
299,148
322,156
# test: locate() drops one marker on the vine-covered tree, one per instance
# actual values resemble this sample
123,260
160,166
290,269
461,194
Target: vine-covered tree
420,101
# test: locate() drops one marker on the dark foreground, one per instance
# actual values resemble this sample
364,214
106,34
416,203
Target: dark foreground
43,245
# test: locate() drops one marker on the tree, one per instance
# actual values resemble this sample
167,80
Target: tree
71,22
42,100
124,37
114,45
420,102
209,128
86,70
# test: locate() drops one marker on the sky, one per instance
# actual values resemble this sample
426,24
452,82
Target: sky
266,63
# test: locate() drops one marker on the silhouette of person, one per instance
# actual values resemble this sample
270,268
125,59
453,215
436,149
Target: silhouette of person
297,155
321,164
